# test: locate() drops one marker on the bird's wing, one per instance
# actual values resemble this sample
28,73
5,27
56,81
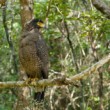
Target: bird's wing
42,53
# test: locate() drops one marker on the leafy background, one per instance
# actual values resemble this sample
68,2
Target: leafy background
78,36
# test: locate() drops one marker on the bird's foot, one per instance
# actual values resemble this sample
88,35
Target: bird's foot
28,81
34,81
31,81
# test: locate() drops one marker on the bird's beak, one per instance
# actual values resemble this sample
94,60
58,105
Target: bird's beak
41,25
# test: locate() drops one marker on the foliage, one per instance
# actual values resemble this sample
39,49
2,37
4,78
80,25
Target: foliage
89,32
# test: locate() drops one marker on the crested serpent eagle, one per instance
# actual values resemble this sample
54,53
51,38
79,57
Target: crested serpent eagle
33,54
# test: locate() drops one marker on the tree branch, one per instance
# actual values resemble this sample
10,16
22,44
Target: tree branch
57,81
9,40
26,11
102,7
71,46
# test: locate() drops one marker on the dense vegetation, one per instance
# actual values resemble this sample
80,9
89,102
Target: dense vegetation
78,36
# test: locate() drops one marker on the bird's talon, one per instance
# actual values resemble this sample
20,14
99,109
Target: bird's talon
28,81
34,81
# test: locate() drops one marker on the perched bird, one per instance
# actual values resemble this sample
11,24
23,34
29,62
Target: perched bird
33,54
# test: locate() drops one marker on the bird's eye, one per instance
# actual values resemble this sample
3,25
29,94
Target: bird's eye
40,24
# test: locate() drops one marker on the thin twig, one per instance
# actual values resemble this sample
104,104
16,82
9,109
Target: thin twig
71,46
10,43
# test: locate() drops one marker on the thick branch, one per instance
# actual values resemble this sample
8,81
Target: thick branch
57,81
26,11
102,7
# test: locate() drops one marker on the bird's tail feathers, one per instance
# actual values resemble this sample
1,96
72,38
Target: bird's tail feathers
39,96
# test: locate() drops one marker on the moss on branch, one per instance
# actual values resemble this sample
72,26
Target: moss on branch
57,81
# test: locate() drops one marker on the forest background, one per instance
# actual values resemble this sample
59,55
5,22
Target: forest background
78,36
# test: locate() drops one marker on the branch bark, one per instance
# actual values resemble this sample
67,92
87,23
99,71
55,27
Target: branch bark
102,7
26,11
24,93
57,81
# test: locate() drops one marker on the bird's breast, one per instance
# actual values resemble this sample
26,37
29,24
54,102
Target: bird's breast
33,55
29,59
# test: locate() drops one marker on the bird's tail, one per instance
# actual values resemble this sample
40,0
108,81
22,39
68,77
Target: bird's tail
39,96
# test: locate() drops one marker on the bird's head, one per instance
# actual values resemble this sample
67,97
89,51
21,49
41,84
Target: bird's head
34,23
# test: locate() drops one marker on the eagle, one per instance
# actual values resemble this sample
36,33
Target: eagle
33,54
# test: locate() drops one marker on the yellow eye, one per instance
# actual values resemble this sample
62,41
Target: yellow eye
40,24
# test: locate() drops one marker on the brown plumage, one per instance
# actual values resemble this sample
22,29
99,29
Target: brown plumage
33,53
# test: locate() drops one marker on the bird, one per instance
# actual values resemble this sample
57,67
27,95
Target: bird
33,54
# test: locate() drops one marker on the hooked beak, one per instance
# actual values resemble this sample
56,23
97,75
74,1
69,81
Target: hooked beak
42,25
